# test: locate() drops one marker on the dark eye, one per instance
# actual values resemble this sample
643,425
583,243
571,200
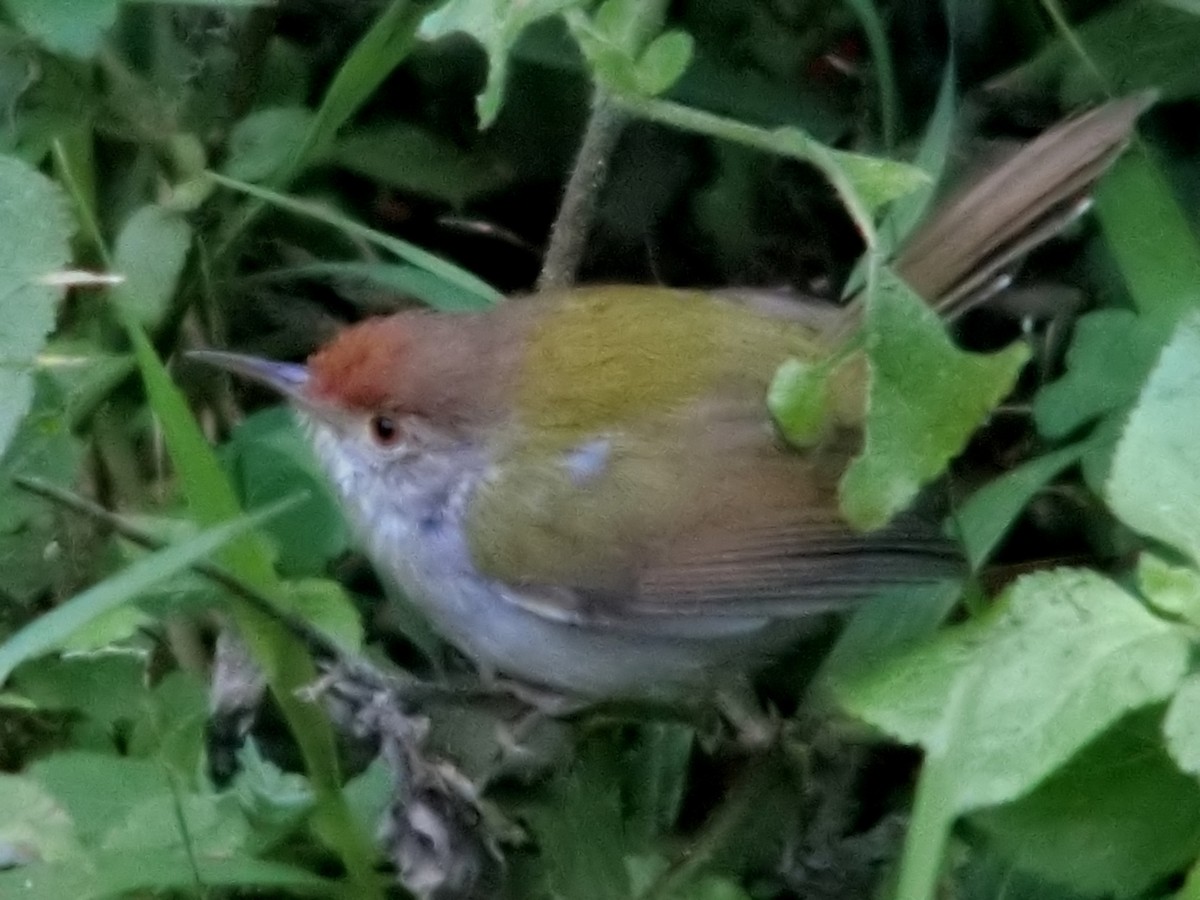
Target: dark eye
384,431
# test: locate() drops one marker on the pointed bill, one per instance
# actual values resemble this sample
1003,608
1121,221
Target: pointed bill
288,379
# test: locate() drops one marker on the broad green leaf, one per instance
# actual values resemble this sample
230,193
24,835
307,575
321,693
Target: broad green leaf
1172,589
983,521
798,399
1003,701
414,159
262,144
213,825
33,822
1111,353
74,29
408,252
580,832
1150,236
496,25
1154,485
1113,822
926,397
52,629
150,252
1181,727
106,688
269,458
98,790
171,727
35,227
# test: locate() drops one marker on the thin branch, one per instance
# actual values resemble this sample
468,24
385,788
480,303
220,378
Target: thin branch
573,224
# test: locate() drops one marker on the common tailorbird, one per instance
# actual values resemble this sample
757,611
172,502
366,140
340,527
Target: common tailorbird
584,490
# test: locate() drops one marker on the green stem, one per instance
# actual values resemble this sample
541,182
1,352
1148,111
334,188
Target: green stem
928,831
791,142
569,233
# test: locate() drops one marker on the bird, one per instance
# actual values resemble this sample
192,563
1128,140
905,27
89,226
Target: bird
584,490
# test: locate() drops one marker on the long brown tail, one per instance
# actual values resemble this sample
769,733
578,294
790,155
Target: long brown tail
958,252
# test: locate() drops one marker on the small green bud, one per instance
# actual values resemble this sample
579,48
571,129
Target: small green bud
798,399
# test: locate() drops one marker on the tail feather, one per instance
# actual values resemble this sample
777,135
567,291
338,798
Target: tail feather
968,240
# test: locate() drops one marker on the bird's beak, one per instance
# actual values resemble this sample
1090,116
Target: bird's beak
288,379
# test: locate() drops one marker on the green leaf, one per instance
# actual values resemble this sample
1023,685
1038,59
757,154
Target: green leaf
1111,354
983,521
878,631
1181,727
1114,821
496,25
423,259
212,825
1150,235
655,780
411,158
1132,45
1154,486
171,726
126,873
52,629
31,556
385,45
98,790
926,397
798,399
397,280
270,458
35,227
107,688
150,253
326,605
580,832
74,29
663,62
1002,702
263,143
33,822
272,799
1172,589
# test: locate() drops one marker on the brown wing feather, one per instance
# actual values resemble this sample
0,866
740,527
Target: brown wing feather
725,523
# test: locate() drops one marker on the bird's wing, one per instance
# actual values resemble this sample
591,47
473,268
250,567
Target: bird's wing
722,522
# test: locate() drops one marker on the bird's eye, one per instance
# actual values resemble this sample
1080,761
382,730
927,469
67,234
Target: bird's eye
384,431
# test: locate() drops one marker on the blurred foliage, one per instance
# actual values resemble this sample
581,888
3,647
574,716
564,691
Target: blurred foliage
257,174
